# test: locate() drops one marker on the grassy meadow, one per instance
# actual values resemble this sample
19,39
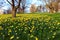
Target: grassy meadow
43,26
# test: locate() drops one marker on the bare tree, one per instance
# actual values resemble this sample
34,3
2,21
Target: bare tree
14,6
22,8
33,8
23,4
52,5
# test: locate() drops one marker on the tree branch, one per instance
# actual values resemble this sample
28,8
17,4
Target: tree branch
9,2
16,1
19,1
13,3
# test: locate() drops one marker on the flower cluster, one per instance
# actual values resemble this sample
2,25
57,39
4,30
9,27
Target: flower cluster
29,28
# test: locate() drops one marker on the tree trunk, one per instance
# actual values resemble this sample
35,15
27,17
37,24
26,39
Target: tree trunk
13,12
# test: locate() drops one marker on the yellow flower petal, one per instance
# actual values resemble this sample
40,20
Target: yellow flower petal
36,38
1,28
12,37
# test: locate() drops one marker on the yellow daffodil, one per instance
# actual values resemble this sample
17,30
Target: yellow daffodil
9,30
1,28
12,37
58,23
36,38
32,29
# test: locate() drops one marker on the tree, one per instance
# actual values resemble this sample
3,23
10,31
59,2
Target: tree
33,8
22,8
23,4
59,7
14,6
40,8
52,5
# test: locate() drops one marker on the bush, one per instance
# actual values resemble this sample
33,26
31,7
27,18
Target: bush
40,28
